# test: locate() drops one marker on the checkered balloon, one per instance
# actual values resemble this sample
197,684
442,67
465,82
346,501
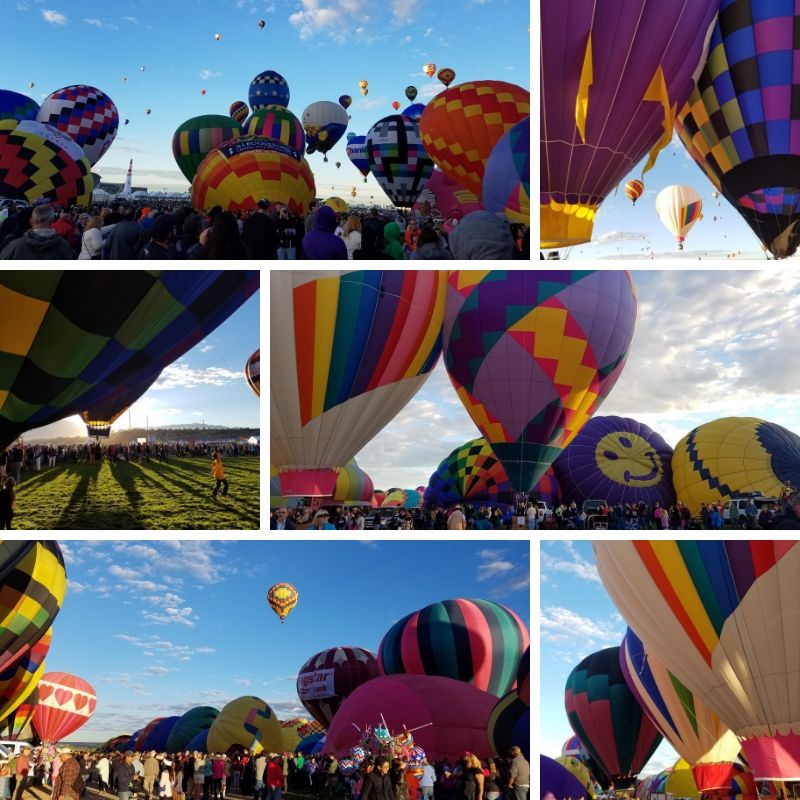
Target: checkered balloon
268,89
84,113
397,159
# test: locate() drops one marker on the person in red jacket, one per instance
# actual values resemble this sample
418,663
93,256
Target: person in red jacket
274,777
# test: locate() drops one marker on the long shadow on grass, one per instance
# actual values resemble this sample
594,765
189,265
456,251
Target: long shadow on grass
34,481
72,518
130,477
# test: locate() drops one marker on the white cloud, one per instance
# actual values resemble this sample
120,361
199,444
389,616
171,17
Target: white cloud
181,375
427,33
404,10
53,17
504,576
571,563
564,627
205,74
99,23
76,587
333,18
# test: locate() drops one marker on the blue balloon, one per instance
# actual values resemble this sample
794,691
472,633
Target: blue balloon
157,738
414,111
307,745
19,107
268,89
199,743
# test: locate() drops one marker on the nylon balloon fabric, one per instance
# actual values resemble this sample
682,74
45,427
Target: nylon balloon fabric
611,77
608,719
16,106
268,88
618,460
740,124
476,641
533,354
66,702
507,179
21,677
74,340
199,136
278,123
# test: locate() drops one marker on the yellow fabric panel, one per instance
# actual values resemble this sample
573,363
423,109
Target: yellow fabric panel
19,321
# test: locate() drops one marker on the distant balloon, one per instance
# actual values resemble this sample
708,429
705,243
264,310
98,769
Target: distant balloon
634,189
252,371
446,76
338,164
411,93
396,105
202,91
345,101
148,112
217,36
31,85
679,207
239,111
127,121
282,598
363,85
141,69
429,69
268,88
261,24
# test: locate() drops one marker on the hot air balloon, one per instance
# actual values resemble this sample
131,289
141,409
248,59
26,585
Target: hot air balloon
414,112
194,303
696,733
446,76
353,192
357,153
18,681
290,736
278,123
509,725
324,123
345,101
338,164
261,24
507,178
34,580
396,105
605,714
619,460
239,111
363,85
282,598
679,207
248,722
238,174
102,415
712,612
734,455
337,204
448,717
602,107
217,37
398,159
749,153
203,92
321,414
402,498
558,782
411,93
197,137
429,69
328,677
476,641
451,198
534,329
17,106
634,189
149,111
18,725
84,113
157,734
194,721
461,126
39,161
268,88
65,703
252,372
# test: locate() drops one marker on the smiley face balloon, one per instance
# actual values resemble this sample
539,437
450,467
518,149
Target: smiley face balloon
618,460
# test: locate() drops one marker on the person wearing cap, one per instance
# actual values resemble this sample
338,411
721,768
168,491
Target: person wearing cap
519,775
39,243
322,244
320,521
260,234
69,783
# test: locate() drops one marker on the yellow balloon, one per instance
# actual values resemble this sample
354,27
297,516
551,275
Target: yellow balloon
248,722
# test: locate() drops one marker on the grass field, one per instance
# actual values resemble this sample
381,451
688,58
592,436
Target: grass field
154,496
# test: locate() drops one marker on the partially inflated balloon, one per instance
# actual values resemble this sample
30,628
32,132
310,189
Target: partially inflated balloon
414,111
678,208
461,126
610,84
65,703
510,725
397,159
38,161
359,346
328,677
268,88
198,136
402,498
34,583
239,111
20,678
84,113
558,781
324,123
507,179
337,204
618,460
252,372
444,196
476,641
721,616
357,153
248,722
275,122
735,455
194,721
607,717
237,175
16,106
533,354
353,485
159,734
448,717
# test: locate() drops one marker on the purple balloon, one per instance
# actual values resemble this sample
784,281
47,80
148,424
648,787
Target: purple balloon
558,781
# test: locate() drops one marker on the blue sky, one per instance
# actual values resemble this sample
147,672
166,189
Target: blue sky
577,618
708,344
322,47
622,230
207,384
159,627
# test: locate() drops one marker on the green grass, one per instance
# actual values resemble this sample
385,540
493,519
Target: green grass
154,496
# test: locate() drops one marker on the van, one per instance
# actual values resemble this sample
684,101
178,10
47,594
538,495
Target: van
741,503
7,747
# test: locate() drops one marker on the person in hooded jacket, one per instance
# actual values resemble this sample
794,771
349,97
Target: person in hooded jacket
393,241
429,246
322,244
482,235
39,243
378,784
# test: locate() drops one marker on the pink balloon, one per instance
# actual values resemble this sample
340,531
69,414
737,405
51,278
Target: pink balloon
459,714
451,198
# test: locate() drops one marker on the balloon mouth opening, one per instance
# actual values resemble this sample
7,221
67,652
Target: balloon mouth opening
565,224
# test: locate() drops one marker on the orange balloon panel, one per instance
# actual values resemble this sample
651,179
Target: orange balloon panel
460,126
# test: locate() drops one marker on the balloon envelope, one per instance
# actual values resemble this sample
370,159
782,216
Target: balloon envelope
324,123
328,677
252,372
444,196
16,106
198,136
679,207
18,681
275,122
282,598
533,354
245,722
556,781
193,722
357,153
458,712
159,734
507,179
268,88
470,640
65,703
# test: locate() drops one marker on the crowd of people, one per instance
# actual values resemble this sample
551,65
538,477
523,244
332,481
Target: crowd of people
128,230
264,776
